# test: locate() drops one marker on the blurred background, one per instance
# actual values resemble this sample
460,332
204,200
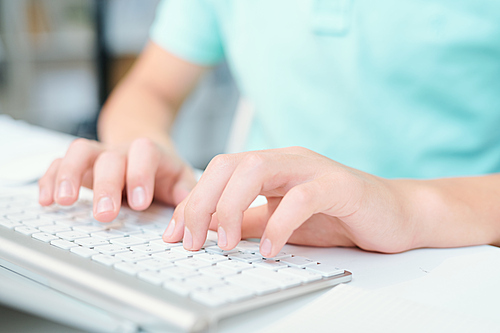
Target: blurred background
59,59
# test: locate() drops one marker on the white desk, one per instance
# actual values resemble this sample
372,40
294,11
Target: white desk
371,271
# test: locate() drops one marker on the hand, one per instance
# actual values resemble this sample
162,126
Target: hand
312,200
146,169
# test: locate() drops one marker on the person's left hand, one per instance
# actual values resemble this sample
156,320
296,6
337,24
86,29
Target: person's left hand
312,200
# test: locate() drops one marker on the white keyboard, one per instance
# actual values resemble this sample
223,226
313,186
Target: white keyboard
132,245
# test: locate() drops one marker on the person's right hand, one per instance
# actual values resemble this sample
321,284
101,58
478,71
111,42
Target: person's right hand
145,169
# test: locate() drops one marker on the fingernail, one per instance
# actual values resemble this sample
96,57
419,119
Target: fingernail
104,205
266,248
170,229
138,196
222,241
44,195
188,239
65,189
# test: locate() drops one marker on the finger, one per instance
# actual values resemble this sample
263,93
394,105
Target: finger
142,164
202,201
79,158
46,184
175,229
297,206
109,180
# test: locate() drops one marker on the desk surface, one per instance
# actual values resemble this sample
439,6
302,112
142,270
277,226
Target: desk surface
370,271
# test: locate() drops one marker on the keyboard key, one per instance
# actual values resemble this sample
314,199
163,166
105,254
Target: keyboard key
255,284
36,223
170,256
44,237
179,273
232,293
28,231
208,298
245,257
153,277
127,241
248,247
304,275
182,288
5,222
193,263
271,264
63,244
326,270
283,280
217,271
281,255
218,250
165,245
131,256
235,265
180,249
211,257
111,249
83,251
91,241
72,235
298,261
148,248
205,282
155,264
54,228
108,234
105,259
129,268
89,229
148,236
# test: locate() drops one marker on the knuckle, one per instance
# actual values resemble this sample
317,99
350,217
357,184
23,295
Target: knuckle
109,156
143,143
302,195
224,211
221,161
253,160
79,144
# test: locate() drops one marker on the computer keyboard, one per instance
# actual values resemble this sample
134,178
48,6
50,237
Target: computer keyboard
132,245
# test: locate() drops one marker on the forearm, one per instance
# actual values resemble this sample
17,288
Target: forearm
135,110
453,212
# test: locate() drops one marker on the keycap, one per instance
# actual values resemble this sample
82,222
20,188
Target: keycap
298,261
131,256
218,250
129,268
53,229
63,244
207,297
165,245
193,263
147,236
91,241
148,248
153,277
89,229
179,287
283,280
72,235
180,249
217,271
170,256
255,284
211,257
304,275
127,241
83,251
105,259
155,264
326,270
205,282
271,264
232,293
36,223
26,230
248,247
8,223
44,237
108,234
178,273
111,249
245,257
235,265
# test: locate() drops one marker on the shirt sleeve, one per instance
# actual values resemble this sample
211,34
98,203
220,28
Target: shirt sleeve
188,29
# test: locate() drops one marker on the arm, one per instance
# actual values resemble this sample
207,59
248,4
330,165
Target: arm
135,151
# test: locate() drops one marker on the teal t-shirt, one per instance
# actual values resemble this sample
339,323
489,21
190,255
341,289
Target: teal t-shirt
394,88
